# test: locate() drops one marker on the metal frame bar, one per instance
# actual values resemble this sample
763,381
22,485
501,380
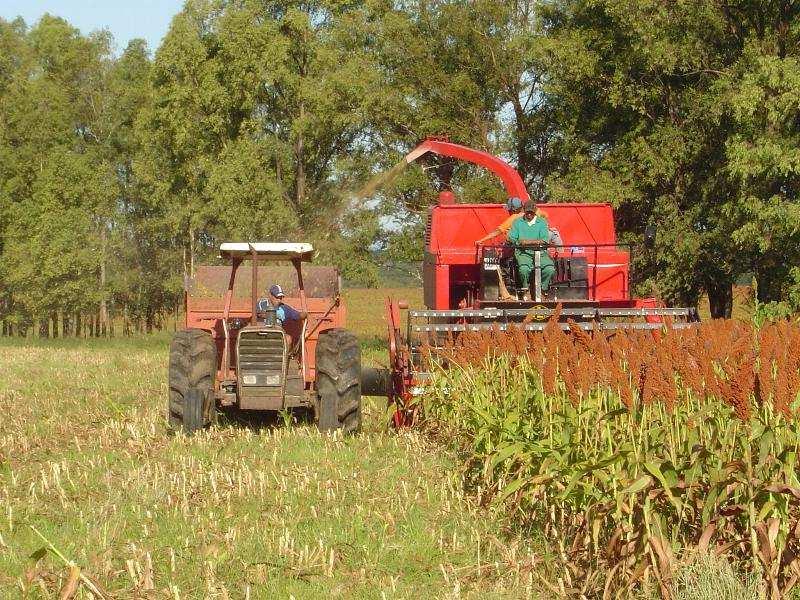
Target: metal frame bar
226,311
298,265
254,285
541,326
588,312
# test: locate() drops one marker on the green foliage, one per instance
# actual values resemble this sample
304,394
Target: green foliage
262,119
615,489
771,311
259,110
684,115
52,253
709,577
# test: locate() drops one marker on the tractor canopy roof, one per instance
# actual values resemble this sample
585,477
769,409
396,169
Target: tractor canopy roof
267,250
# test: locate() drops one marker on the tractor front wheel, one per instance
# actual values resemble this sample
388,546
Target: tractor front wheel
192,368
338,365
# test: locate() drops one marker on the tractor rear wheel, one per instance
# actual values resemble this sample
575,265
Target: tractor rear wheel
192,368
338,365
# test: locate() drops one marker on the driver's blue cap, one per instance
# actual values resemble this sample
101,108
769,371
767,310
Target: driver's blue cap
276,291
514,203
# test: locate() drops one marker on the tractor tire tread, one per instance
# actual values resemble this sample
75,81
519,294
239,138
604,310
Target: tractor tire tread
192,368
338,364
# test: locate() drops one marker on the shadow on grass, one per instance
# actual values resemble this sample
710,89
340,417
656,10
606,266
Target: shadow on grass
259,420
373,343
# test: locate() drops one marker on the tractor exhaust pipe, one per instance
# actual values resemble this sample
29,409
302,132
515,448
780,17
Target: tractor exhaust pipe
375,382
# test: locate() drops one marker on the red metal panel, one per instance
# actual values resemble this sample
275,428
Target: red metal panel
609,275
454,229
429,280
442,287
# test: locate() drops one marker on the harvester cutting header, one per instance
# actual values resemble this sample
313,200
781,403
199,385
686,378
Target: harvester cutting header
484,267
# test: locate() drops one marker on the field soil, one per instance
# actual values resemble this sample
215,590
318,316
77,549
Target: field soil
272,509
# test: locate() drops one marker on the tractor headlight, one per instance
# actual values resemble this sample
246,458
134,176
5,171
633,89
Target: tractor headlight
273,379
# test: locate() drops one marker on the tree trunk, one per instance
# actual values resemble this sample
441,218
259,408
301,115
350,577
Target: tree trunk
103,304
54,318
191,252
768,285
66,325
720,300
300,171
44,328
78,325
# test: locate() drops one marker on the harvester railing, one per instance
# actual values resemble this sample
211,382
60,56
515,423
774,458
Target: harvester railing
535,318
587,251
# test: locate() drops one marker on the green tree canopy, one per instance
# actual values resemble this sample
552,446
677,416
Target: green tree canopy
261,119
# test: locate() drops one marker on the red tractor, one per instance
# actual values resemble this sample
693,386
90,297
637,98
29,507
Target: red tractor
463,281
231,355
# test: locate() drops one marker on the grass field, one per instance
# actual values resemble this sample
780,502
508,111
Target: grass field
87,464
275,511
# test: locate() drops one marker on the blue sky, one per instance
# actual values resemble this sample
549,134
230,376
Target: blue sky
126,19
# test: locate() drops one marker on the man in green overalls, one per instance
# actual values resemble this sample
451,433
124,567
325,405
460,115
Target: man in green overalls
528,234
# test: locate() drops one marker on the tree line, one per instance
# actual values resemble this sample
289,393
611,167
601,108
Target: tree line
259,119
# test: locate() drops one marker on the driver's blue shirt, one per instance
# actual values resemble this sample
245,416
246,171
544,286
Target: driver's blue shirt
283,311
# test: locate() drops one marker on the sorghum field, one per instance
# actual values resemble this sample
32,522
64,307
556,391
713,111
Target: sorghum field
630,453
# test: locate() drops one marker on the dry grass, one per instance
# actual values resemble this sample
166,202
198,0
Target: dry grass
235,512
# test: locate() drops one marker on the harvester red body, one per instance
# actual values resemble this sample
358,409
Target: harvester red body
452,264
592,285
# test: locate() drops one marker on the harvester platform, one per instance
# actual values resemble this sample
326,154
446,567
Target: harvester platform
535,318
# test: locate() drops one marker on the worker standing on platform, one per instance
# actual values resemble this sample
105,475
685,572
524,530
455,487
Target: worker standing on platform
514,208
528,233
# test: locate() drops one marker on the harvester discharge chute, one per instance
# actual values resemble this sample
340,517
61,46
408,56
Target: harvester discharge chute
470,287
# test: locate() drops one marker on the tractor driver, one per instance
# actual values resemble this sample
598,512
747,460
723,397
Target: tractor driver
527,234
514,208
284,313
